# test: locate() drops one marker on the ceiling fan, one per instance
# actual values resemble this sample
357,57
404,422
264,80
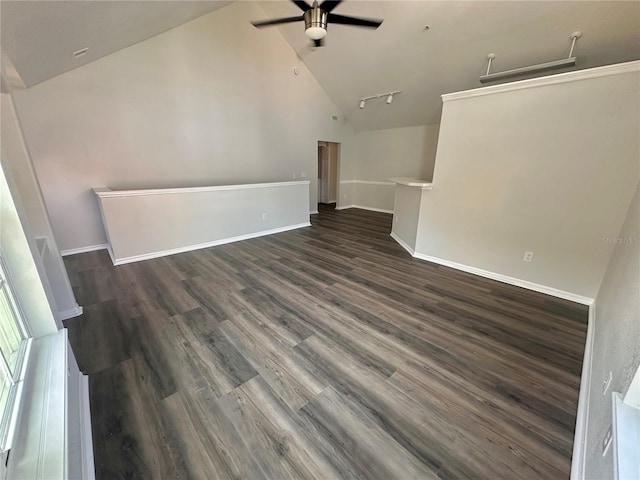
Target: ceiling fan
316,18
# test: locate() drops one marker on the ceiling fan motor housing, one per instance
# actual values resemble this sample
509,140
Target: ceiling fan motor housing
315,23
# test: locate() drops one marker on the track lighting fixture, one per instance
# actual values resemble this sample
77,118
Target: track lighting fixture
389,96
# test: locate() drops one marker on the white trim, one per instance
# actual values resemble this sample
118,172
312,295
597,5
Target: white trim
42,244
554,292
626,431
72,312
86,436
367,182
39,450
607,70
90,248
314,212
412,182
403,244
362,207
173,251
111,255
15,399
105,192
579,457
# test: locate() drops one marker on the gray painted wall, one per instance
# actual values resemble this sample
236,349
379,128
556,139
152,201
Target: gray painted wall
616,342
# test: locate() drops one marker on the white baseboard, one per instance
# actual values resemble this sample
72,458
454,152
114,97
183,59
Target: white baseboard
315,212
111,255
173,251
72,312
554,292
403,244
579,456
362,207
86,436
90,248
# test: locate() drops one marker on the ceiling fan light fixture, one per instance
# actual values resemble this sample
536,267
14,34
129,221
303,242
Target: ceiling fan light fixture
315,33
315,23
315,18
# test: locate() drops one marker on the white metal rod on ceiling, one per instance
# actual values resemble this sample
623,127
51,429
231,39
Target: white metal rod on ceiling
541,67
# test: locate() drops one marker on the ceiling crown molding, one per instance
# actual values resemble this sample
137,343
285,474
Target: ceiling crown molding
616,69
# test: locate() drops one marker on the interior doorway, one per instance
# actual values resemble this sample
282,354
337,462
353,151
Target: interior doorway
328,166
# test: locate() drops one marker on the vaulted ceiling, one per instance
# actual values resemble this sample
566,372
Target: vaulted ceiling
450,55
40,37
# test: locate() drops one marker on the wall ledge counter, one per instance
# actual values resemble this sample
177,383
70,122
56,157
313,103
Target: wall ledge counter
411,182
105,192
149,223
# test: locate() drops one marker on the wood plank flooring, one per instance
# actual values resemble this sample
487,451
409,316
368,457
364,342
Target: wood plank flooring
325,352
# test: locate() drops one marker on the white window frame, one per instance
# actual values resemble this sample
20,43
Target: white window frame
9,416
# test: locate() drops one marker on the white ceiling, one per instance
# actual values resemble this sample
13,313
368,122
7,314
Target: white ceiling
39,38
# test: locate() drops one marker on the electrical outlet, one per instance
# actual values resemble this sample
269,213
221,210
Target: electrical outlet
528,256
606,441
264,216
303,175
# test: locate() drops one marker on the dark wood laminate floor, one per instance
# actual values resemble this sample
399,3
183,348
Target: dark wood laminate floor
326,352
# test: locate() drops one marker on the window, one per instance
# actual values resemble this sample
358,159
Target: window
13,346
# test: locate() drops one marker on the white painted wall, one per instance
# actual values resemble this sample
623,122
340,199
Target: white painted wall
214,101
406,215
547,165
368,194
616,337
396,152
145,224
17,161
381,154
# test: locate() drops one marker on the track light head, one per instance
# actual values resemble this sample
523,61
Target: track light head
387,96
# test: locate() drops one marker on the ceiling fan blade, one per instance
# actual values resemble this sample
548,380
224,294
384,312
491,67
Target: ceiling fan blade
360,22
304,6
276,21
329,5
